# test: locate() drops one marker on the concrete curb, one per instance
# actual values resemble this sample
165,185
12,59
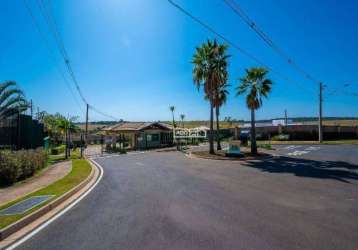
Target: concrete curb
14,227
190,155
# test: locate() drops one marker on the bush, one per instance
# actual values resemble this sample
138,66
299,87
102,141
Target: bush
280,137
265,146
18,165
58,150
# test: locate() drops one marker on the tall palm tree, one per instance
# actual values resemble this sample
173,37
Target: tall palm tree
220,99
12,100
210,71
172,109
256,86
182,117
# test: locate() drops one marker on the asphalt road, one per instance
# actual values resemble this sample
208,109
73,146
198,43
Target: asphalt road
169,201
337,153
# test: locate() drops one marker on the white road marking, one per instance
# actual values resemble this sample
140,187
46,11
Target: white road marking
139,164
291,147
42,226
297,153
115,155
312,148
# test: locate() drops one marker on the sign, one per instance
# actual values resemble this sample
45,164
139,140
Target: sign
234,147
189,133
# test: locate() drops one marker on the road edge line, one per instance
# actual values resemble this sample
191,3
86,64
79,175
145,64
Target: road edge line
43,225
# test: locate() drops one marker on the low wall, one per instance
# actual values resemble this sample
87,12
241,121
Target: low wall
306,132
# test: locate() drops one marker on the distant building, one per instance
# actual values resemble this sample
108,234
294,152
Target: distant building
282,122
141,135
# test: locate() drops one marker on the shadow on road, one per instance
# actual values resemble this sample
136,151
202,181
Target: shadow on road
337,170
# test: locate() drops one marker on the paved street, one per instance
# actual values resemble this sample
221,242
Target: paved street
165,200
344,153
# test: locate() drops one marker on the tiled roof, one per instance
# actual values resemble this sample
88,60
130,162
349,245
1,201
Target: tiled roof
134,126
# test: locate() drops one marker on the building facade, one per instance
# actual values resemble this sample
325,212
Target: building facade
140,135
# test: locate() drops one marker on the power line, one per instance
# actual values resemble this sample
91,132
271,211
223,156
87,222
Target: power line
51,22
52,55
240,12
103,113
54,30
234,45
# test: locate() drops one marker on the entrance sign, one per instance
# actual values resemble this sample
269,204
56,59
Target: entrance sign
179,133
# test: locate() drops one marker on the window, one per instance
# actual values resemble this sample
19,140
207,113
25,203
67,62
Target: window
153,137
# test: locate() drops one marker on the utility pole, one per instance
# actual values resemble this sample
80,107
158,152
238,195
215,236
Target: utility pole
320,131
86,132
81,144
31,108
286,117
38,113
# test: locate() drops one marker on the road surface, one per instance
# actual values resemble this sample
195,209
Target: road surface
169,201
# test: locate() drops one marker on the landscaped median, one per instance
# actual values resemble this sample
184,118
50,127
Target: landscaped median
221,155
59,190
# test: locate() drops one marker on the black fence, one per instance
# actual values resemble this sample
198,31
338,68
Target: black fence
21,132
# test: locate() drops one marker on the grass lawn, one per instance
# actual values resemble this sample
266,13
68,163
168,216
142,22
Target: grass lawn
80,170
335,142
52,159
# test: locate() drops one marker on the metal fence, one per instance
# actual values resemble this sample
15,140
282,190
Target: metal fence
21,132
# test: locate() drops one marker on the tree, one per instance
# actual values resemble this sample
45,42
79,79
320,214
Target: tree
67,127
210,71
256,86
229,120
182,117
220,99
51,123
172,109
12,100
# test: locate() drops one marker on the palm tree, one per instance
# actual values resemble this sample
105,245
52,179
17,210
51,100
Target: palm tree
220,99
257,86
182,117
210,71
12,100
67,126
172,109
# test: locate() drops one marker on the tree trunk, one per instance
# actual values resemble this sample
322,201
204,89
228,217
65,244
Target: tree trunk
218,147
69,143
253,133
211,135
66,144
173,121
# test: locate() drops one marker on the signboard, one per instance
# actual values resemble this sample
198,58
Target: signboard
234,147
189,133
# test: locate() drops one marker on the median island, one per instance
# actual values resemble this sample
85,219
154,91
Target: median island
222,155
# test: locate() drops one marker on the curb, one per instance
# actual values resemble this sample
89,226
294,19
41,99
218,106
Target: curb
190,155
14,227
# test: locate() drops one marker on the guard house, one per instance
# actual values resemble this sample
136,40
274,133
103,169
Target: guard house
142,135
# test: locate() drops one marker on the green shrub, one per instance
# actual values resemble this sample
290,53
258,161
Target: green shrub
18,165
281,137
265,146
58,150
9,168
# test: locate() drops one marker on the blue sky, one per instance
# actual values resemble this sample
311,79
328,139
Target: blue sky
132,57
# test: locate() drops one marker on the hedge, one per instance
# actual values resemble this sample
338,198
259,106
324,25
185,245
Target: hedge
19,165
58,150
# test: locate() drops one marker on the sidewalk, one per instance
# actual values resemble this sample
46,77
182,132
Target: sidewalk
48,176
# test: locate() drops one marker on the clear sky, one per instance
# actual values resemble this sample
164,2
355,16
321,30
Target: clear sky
132,57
